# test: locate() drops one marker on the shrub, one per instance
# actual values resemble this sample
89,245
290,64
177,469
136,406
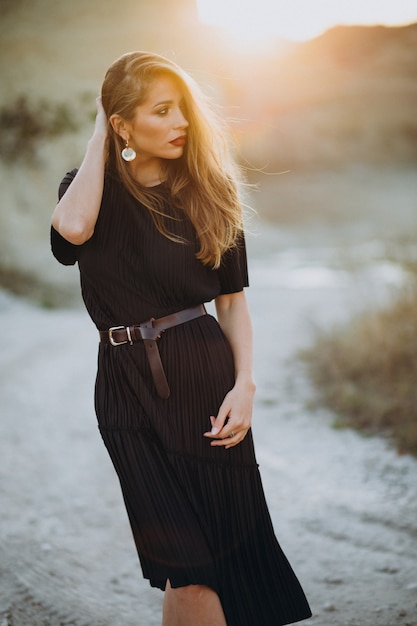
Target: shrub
28,285
24,124
366,372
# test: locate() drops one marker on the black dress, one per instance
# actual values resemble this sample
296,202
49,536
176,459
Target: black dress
197,512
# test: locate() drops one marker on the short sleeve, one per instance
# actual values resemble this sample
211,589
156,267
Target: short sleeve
233,271
64,251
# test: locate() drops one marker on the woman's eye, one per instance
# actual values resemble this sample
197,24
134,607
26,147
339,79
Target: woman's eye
163,111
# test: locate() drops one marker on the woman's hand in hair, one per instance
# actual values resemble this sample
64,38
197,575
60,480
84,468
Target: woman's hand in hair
76,213
101,127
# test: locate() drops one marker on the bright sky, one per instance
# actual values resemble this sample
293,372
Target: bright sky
255,20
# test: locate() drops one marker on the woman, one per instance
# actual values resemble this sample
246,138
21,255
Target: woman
154,221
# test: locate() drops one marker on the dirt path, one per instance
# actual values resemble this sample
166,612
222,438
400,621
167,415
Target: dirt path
344,507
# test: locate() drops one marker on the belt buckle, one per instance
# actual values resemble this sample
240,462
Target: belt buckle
118,343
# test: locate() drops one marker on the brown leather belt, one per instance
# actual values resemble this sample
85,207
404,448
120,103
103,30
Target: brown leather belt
149,332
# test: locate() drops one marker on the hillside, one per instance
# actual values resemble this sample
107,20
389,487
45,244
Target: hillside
347,96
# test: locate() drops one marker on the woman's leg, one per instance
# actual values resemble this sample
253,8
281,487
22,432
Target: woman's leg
192,605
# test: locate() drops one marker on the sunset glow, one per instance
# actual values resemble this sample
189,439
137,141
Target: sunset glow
256,20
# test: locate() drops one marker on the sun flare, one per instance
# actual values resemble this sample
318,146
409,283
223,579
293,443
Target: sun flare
252,22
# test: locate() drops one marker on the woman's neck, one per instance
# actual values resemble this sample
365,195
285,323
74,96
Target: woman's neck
148,173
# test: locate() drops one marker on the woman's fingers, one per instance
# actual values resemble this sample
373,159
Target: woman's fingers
218,423
101,118
232,422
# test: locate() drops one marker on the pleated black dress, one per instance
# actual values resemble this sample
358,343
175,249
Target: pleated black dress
198,513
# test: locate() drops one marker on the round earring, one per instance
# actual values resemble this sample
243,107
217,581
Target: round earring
128,154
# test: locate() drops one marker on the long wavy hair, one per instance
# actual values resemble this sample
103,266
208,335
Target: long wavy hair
204,181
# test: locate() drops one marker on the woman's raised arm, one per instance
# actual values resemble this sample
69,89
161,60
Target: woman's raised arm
76,213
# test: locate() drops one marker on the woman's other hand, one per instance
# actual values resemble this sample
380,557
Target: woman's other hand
234,418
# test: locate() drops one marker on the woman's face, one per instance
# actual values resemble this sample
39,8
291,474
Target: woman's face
159,128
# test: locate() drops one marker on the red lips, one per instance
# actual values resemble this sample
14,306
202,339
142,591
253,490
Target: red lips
179,141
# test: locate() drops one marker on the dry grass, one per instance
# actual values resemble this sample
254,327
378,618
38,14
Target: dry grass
367,372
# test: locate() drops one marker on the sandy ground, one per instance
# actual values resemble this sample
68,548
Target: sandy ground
344,506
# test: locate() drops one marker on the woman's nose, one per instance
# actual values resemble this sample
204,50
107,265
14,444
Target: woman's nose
181,122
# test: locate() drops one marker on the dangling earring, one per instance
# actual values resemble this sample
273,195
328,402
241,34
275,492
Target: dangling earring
128,154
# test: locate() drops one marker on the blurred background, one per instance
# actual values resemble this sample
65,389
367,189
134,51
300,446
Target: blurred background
323,116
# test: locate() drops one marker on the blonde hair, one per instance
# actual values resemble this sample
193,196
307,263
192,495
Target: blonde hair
203,182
